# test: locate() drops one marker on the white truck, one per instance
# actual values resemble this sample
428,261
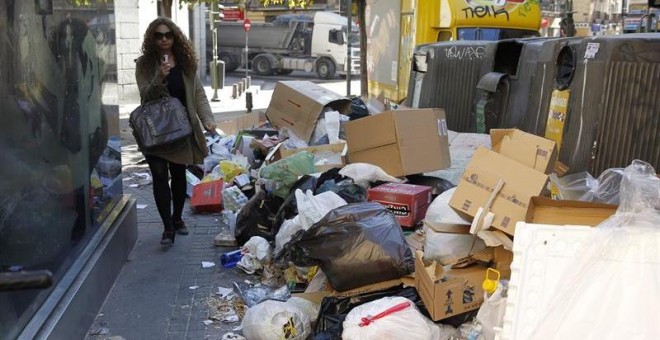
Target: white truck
291,42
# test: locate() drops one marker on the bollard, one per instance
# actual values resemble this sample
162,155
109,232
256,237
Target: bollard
240,89
234,91
248,101
245,84
249,81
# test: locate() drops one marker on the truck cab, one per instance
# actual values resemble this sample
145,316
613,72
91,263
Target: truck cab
329,39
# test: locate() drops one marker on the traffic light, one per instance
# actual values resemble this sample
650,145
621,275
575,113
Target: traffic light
216,14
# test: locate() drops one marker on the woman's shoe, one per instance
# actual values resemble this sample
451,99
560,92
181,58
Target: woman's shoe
180,228
168,238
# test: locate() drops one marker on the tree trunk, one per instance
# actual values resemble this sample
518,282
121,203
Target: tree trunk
166,7
364,81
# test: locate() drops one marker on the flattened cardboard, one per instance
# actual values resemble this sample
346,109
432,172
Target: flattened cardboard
543,210
521,183
401,142
447,292
533,151
296,105
407,202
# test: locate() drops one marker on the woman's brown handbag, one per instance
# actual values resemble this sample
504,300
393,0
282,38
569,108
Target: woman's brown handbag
159,123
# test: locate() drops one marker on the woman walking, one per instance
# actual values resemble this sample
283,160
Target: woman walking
168,67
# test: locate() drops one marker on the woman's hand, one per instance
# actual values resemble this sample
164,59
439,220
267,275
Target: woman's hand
165,69
210,127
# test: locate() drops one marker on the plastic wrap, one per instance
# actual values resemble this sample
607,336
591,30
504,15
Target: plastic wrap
612,290
253,296
276,320
355,245
583,187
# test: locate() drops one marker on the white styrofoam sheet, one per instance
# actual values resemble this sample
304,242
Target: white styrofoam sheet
541,255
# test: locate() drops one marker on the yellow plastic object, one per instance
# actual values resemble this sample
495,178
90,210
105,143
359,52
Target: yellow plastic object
489,285
229,170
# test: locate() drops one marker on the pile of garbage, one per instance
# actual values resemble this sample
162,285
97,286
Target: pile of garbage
361,224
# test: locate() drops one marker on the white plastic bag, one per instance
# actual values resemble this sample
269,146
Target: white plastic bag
256,252
309,308
363,174
311,209
391,318
448,248
439,212
271,320
286,232
491,312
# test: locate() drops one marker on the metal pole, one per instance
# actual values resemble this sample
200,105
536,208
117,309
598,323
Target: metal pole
214,68
349,14
246,55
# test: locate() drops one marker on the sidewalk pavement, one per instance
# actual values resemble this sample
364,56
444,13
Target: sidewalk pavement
163,293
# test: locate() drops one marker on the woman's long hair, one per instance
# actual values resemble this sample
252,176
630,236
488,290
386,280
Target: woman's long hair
181,47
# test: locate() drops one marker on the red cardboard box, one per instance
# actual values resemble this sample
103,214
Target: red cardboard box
207,197
408,202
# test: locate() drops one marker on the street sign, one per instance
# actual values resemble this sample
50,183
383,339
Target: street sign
233,14
247,24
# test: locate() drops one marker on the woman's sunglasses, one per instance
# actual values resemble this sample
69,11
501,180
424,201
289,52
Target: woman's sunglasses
167,35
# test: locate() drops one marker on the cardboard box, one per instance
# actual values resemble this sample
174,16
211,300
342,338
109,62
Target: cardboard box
336,153
401,142
447,292
502,259
233,126
207,197
533,151
296,105
407,202
543,210
521,183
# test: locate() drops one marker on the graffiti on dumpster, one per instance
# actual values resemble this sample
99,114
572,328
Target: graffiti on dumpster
467,52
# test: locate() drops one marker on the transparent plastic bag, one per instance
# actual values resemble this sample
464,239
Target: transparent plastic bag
491,312
254,295
583,187
612,290
285,172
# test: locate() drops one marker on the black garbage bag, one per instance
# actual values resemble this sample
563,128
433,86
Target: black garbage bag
329,175
257,217
358,108
333,311
289,208
438,185
346,189
355,245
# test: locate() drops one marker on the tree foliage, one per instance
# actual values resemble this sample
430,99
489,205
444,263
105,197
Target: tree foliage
243,3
